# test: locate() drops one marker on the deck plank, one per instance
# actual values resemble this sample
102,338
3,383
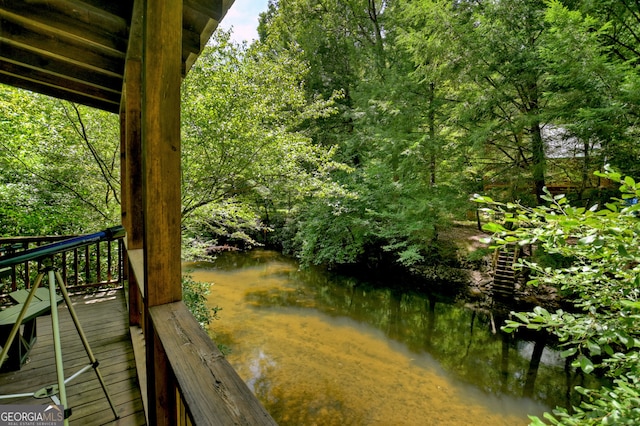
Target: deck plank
104,319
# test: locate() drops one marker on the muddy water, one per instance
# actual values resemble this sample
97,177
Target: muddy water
319,349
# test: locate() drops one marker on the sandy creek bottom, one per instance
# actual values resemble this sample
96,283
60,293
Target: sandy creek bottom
311,368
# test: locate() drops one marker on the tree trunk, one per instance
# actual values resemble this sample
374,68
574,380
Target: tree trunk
432,135
539,162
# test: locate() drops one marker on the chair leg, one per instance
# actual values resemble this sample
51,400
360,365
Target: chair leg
30,332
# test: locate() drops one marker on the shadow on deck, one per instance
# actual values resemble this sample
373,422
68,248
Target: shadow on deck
104,319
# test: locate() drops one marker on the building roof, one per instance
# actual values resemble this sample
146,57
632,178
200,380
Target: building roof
559,142
76,49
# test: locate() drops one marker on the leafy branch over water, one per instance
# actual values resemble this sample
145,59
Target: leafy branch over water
602,281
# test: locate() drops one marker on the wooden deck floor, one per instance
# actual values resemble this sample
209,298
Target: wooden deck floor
104,318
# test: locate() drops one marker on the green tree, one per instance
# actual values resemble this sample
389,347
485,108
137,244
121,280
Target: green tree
342,43
60,170
484,56
587,90
506,111
520,74
244,157
617,25
391,128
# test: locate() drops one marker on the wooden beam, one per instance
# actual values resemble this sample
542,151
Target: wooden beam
131,160
202,17
60,45
59,67
190,41
117,8
58,92
57,81
161,150
211,9
161,79
132,187
71,46
73,17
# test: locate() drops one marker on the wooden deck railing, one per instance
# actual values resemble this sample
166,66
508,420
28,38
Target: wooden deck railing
97,264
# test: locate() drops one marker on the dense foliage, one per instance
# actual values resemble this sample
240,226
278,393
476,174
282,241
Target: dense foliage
602,279
194,295
442,99
59,166
245,153
354,132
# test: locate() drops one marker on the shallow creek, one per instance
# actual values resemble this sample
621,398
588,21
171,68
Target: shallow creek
323,349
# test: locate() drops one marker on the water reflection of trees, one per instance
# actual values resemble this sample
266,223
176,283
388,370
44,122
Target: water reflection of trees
465,341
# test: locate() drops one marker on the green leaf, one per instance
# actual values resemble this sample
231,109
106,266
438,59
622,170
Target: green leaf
522,317
614,176
624,338
608,349
535,421
482,199
622,250
593,347
586,365
493,227
588,239
630,304
550,417
539,310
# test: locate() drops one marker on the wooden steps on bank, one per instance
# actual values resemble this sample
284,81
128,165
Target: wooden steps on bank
504,276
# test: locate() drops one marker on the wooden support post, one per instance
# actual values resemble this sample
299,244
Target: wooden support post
162,405
131,155
132,201
161,150
161,79
124,187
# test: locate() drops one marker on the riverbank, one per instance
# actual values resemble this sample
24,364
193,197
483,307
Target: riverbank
460,266
475,271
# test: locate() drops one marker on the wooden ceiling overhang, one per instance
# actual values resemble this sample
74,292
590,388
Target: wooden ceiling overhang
76,49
